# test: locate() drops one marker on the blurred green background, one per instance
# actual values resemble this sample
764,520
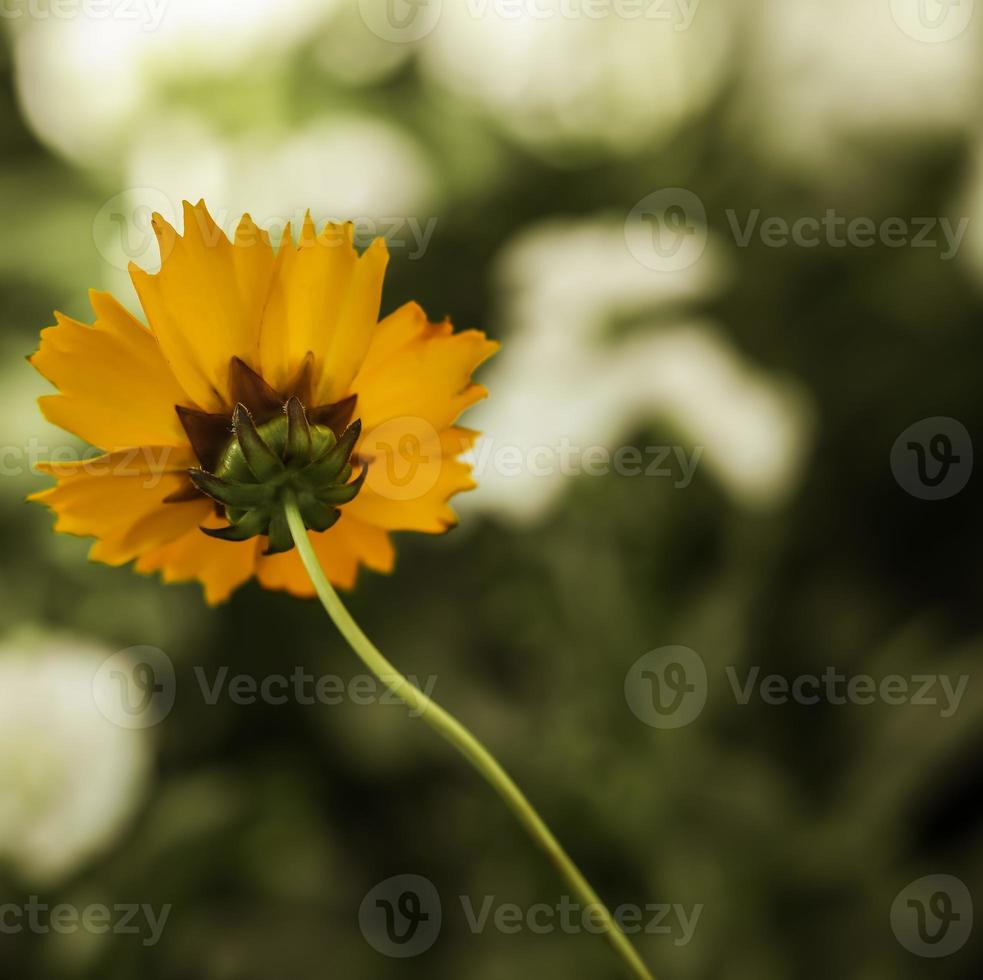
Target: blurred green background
529,140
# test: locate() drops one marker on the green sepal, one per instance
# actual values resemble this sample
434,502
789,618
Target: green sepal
231,494
299,442
281,539
263,463
318,516
328,469
346,444
255,522
342,494
323,443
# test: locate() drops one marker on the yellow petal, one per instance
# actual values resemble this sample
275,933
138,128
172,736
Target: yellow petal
119,499
428,378
352,334
220,566
341,550
410,491
206,303
116,388
395,331
324,299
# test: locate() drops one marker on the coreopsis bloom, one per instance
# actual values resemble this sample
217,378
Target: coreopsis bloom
262,373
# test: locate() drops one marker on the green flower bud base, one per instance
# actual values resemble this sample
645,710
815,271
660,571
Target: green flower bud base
285,458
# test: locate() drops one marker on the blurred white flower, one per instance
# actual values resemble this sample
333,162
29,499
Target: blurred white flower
564,378
340,167
354,55
826,78
70,779
82,80
554,74
971,206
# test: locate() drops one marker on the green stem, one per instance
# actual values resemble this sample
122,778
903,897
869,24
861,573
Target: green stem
459,736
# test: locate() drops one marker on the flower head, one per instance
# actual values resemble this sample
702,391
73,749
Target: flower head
262,374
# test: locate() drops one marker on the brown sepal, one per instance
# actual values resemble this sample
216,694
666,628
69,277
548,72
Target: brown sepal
246,387
301,385
336,417
208,434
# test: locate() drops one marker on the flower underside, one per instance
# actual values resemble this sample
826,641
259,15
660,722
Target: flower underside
271,448
233,321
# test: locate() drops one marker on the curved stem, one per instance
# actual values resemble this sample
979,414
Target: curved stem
462,739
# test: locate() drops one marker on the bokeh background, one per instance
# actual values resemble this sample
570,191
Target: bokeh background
526,162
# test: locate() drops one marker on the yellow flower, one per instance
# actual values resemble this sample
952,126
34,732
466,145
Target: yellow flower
237,323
